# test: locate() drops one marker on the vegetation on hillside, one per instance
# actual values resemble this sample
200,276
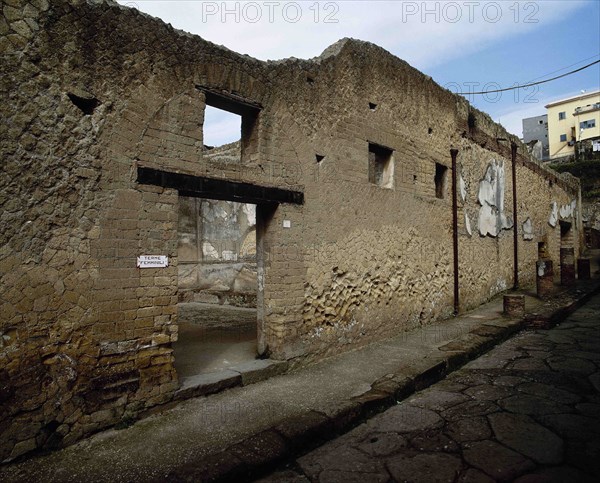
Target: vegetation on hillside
588,171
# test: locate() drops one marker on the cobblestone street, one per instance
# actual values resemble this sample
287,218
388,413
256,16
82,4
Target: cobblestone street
528,411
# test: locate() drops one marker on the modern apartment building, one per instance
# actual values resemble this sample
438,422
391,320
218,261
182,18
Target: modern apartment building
536,129
573,123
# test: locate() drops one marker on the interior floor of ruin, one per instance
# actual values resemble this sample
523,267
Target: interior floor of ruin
213,338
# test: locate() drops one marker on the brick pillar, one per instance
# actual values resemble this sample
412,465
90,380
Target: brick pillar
567,266
514,305
583,269
544,278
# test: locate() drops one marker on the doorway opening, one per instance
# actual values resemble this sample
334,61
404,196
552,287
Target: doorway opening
567,254
566,234
217,285
247,212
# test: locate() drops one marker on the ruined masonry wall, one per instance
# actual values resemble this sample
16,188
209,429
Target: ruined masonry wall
217,252
95,90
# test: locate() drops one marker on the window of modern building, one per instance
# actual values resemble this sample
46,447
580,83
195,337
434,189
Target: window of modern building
563,138
562,115
587,124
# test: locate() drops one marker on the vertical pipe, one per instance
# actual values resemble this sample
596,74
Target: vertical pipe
454,153
513,155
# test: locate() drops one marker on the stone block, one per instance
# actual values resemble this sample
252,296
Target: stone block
259,370
567,266
23,447
544,278
514,305
209,383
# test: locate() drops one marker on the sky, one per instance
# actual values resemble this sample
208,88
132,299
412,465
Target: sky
465,46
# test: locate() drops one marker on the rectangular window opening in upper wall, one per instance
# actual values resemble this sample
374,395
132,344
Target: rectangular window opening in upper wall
441,180
230,128
381,166
221,135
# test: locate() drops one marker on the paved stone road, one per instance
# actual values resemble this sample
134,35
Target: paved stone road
528,411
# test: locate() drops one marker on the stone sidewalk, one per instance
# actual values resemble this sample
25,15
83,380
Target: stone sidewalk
527,411
240,433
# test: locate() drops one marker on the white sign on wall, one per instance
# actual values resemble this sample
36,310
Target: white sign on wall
152,261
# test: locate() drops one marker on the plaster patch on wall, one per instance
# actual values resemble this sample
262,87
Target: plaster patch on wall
216,247
487,221
468,224
338,327
541,268
492,219
250,212
462,188
527,229
7,339
209,251
567,211
499,286
553,220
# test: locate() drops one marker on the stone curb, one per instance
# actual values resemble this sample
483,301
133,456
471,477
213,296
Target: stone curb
553,318
260,453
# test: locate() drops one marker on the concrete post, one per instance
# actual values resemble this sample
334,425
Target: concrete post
544,278
567,266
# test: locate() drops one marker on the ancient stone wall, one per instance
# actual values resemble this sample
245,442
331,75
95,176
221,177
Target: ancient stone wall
591,217
97,91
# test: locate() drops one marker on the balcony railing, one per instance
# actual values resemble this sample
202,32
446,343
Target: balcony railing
584,109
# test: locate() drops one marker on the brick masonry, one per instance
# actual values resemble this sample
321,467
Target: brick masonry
567,266
96,90
545,278
514,305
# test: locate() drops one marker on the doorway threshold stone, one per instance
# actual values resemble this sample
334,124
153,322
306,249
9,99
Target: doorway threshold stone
259,370
240,375
209,383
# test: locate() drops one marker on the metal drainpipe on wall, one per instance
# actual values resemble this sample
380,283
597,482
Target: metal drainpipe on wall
513,155
454,153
